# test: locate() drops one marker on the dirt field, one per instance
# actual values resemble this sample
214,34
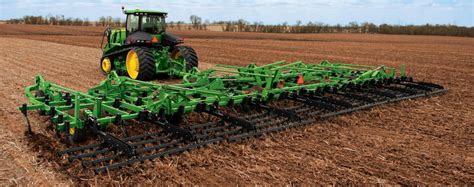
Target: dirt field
422,141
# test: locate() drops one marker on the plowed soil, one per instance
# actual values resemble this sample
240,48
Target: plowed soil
422,141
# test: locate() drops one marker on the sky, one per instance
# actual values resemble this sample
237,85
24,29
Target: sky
401,12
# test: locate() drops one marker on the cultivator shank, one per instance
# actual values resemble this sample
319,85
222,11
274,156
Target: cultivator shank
228,103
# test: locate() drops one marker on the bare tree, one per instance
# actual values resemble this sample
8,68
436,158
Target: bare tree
196,21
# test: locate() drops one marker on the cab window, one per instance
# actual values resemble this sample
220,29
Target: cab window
132,23
154,24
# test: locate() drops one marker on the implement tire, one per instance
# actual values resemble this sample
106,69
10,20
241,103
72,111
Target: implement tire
186,53
77,135
140,64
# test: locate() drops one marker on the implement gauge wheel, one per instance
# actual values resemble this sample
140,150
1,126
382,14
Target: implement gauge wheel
140,64
187,54
77,135
106,65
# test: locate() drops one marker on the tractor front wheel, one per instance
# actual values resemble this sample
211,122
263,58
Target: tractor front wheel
186,54
140,64
106,65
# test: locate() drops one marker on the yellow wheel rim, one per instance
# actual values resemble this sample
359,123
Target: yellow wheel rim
71,131
133,64
106,65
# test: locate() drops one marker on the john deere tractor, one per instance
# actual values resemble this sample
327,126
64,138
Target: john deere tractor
143,50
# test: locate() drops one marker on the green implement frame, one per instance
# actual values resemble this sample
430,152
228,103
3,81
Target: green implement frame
125,98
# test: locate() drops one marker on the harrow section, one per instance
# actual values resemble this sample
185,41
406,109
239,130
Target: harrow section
230,104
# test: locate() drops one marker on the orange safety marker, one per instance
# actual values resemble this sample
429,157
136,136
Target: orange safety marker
154,40
300,80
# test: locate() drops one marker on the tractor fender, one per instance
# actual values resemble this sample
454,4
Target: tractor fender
170,40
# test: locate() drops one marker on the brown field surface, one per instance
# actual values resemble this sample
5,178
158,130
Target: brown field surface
422,141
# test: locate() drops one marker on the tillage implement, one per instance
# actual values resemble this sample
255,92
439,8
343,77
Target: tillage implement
133,121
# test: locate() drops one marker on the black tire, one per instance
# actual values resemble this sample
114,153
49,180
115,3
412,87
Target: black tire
79,135
146,62
188,54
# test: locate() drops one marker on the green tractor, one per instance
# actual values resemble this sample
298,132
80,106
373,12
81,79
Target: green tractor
143,50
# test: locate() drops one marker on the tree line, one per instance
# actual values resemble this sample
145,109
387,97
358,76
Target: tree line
50,20
242,25
197,23
352,27
62,20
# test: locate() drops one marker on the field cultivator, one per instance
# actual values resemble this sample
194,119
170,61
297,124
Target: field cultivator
135,121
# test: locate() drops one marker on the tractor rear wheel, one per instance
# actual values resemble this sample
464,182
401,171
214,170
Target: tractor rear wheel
140,63
187,54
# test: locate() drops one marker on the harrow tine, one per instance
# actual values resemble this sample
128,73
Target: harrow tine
75,149
204,125
136,150
176,130
382,93
85,155
154,156
358,97
402,90
98,161
117,143
99,150
158,147
290,114
418,86
231,119
317,103
430,85
333,101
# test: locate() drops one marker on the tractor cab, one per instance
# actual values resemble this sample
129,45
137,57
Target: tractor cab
152,22
144,27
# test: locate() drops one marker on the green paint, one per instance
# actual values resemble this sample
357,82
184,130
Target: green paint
220,84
